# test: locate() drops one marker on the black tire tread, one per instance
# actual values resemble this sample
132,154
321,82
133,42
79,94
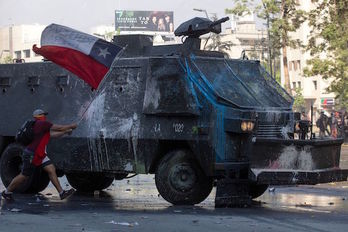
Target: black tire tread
36,183
198,193
89,182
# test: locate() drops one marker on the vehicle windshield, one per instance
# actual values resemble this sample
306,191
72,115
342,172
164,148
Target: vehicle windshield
241,82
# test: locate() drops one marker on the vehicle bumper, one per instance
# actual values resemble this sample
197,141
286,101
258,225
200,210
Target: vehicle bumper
291,177
288,161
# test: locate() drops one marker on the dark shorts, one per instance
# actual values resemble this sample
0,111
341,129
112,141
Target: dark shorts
28,168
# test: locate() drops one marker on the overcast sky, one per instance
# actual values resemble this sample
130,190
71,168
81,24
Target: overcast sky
84,14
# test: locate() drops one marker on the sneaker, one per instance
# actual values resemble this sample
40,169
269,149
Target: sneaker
7,196
66,193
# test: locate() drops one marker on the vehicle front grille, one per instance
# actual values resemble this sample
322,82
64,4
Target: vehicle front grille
269,131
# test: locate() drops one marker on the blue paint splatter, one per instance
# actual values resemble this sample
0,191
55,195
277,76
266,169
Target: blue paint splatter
205,87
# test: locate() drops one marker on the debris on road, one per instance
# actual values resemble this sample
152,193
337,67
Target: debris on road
15,210
271,190
123,223
303,205
30,203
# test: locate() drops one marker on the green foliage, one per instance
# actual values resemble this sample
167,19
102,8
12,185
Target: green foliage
299,102
283,17
276,73
7,60
329,36
242,7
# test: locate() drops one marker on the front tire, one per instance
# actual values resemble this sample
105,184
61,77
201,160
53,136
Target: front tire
89,182
256,190
10,166
180,180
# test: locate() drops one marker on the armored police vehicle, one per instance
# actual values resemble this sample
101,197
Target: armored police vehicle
189,116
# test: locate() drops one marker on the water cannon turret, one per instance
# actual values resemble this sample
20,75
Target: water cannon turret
199,26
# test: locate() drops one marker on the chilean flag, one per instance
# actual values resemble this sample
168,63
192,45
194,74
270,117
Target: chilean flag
82,54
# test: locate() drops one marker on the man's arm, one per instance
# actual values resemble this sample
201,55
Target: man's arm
56,127
57,134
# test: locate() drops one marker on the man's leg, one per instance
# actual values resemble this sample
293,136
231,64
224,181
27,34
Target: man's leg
27,171
17,181
51,170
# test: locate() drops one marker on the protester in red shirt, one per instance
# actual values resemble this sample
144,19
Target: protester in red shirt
34,155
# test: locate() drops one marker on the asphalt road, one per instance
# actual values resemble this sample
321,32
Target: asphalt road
134,205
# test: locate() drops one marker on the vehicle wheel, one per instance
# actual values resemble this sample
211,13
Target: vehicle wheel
89,182
120,176
2,143
10,167
256,190
180,180
40,181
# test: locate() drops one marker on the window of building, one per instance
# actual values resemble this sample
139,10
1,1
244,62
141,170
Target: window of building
294,85
294,63
289,65
299,64
18,54
299,84
26,53
315,85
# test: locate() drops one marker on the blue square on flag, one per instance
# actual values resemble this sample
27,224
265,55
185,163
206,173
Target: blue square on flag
104,52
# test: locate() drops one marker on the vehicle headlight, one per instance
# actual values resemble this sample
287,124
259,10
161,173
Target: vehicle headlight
250,126
247,126
244,126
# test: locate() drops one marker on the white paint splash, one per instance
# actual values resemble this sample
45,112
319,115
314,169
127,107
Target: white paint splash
293,159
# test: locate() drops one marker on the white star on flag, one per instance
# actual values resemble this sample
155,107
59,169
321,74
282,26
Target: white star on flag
103,52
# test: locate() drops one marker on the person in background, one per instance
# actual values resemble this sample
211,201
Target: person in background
168,23
161,26
333,125
35,156
153,23
322,124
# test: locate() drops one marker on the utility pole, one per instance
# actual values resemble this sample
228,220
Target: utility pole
202,10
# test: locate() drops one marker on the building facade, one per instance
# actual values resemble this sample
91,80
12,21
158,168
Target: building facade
313,88
242,35
16,42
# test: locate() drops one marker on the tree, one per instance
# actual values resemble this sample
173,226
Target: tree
299,102
216,43
283,17
7,60
328,44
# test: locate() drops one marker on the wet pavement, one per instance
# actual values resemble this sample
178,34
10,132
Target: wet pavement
135,205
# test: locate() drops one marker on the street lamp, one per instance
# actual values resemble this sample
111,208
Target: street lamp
202,10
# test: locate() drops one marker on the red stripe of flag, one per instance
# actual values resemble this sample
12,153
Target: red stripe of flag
76,62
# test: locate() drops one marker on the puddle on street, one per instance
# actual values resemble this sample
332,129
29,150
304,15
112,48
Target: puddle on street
286,199
140,194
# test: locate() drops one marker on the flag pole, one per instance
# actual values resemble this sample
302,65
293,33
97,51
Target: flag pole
118,56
